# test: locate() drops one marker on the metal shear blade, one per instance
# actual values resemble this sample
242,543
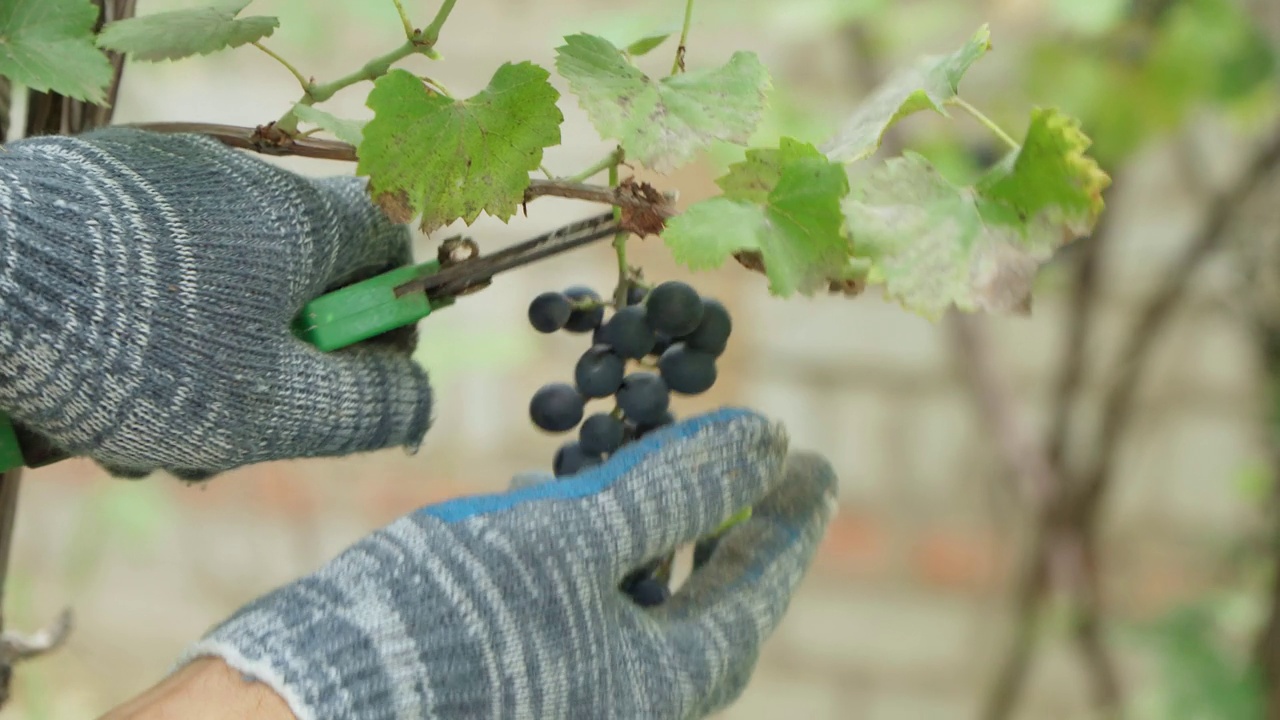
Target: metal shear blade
457,278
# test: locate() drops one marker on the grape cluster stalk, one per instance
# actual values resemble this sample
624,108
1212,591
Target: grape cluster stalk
670,336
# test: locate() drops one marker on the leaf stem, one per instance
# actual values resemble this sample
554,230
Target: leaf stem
432,34
678,65
985,121
303,81
609,162
409,32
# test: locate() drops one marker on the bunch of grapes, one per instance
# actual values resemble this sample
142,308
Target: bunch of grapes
670,335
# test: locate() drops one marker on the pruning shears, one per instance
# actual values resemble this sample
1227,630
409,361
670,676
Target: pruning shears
372,307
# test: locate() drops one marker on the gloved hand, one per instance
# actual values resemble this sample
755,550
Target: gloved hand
506,606
147,283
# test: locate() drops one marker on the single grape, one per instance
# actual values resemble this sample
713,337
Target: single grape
673,308
644,571
712,334
581,321
636,294
649,592
660,344
687,371
601,434
599,372
571,458
556,407
549,312
643,429
643,397
628,333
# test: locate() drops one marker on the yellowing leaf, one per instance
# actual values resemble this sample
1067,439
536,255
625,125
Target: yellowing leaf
663,123
1050,174
933,245
926,86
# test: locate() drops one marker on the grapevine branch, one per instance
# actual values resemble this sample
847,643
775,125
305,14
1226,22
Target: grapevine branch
271,140
1119,404
416,43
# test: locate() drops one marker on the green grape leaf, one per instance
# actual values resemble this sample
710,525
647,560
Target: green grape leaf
933,244
348,131
927,85
450,159
663,123
178,34
1050,175
47,45
783,204
752,179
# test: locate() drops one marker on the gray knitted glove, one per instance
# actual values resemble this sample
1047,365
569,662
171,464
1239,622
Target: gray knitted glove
506,606
147,283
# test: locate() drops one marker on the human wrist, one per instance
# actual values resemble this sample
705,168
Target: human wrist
206,689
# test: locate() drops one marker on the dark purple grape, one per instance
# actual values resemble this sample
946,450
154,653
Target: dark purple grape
712,333
673,308
660,345
601,434
581,321
571,458
549,312
643,397
643,429
556,407
649,592
636,294
687,371
703,550
628,333
599,372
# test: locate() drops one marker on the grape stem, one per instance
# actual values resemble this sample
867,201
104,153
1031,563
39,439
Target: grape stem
302,80
404,19
609,162
678,65
986,122
619,244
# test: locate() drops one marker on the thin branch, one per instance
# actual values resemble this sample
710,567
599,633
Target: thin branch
1017,446
618,197
1019,654
267,139
1078,547
1079,327
431,35
1118,406
270,140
